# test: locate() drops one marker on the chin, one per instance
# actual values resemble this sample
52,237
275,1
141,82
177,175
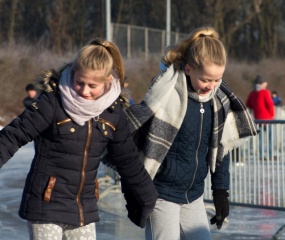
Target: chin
204,94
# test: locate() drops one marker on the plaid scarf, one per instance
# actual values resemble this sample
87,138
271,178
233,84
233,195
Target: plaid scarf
155,122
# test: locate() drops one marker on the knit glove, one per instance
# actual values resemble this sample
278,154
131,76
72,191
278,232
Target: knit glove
221,203
136,213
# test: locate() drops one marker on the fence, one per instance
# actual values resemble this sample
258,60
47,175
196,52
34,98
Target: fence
136,41
257,169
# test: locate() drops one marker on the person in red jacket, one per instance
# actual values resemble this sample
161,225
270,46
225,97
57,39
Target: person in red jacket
261,103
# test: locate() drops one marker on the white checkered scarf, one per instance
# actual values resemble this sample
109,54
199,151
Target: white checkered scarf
155,122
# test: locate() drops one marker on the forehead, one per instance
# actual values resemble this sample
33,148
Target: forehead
212,72
90,75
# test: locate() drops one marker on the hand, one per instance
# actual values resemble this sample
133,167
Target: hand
146,211
136,213
221,203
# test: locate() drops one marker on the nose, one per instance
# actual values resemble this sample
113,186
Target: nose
84,91
211,85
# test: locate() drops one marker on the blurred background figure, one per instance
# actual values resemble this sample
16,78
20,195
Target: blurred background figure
261,103
128,91
276,99
31,94
279,108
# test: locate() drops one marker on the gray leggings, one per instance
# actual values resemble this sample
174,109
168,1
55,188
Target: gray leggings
172,221
57,231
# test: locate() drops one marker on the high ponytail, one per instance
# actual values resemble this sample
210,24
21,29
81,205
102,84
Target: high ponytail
200,47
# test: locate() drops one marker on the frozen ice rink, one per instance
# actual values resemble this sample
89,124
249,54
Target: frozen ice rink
243,222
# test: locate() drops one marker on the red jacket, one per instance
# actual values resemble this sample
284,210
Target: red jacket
262,105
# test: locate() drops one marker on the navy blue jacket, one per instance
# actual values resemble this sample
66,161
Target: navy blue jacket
60,186
181,176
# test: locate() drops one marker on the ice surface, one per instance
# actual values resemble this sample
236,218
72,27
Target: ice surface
244,223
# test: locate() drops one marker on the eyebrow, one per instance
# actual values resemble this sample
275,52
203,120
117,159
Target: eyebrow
211,79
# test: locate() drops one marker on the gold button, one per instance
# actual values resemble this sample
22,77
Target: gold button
113,107
105,133
54,84
121,99
72,129
116,103
48,190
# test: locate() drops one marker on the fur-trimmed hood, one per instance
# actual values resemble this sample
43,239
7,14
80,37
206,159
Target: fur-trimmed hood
48,81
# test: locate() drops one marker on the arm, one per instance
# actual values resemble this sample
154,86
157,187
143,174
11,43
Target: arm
220,184
137,186
269,103
221,177
24,128
249,101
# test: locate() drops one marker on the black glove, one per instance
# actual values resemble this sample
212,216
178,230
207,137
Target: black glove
146,211
221,203
136,213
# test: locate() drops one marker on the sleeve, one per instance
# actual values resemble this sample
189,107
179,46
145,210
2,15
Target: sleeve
26,127
125,157
221,177
249,101
269,103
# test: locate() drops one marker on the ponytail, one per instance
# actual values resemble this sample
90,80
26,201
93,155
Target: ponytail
99,55
200,47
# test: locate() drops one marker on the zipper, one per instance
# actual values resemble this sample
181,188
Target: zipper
202,110
105,122
83,171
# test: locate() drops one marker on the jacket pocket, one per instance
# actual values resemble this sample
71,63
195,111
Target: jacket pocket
49,189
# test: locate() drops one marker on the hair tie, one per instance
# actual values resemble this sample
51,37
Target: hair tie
205,35
95,42
100,44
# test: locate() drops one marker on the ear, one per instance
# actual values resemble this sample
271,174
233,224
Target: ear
187,69
109,78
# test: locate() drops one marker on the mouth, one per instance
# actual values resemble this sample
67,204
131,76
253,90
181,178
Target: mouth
85,97
203,92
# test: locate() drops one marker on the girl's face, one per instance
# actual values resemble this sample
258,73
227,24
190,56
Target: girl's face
90,84
205,80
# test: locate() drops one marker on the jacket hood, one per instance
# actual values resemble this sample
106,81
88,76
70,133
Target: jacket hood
47,81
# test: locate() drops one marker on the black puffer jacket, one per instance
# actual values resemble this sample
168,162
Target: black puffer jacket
60,186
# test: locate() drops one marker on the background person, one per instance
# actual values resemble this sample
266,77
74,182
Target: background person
261,103
186,124
276,99
278,110
128,92
78,116
31,94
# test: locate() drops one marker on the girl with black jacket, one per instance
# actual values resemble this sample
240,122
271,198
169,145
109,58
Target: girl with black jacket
78,115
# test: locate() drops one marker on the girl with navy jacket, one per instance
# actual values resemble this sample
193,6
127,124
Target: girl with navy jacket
185,127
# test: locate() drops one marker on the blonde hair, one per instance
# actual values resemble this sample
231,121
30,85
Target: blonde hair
100,55
201,47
